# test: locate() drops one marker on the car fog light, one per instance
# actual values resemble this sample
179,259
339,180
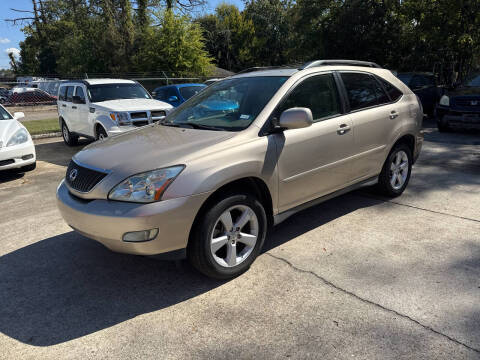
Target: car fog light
137,236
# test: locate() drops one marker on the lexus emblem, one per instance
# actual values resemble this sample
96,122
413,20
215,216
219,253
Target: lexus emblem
474,103
73,175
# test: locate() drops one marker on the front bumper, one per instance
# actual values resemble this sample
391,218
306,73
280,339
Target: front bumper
107,221
17,156
458,118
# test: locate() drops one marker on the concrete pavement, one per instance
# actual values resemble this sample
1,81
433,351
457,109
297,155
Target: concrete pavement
359,276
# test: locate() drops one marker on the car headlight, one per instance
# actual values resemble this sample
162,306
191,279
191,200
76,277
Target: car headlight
146,187
120,118
20,137
445,100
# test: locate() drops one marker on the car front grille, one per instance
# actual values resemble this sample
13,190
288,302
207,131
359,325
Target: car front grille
139,123
6,162
139,115
83,179
470,103
158,113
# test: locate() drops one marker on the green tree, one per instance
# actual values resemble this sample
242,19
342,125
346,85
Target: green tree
174,44
272,21
229,37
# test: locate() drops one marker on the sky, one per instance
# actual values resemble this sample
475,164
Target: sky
11,35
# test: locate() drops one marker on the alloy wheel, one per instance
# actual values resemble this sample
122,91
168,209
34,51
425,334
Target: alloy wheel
234,236
399,170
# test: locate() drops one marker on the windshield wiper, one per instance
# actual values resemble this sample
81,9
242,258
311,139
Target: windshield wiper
191,125
204,127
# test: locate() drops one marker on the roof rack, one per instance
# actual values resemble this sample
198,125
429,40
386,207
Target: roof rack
261,68
317,63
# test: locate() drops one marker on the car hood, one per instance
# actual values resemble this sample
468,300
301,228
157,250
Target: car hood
132,105
465,91
150,147
7,129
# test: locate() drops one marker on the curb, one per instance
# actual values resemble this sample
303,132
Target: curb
45,136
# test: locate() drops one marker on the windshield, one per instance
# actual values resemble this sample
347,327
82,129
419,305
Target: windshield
106,92
4,115
188,91
231,104
474,81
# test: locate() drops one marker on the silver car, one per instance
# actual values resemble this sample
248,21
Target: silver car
241,156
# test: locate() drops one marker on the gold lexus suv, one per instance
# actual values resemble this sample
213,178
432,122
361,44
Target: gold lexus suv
242,155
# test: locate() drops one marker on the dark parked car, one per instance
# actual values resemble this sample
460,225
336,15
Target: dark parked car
32,97
460,106
425,87
177,94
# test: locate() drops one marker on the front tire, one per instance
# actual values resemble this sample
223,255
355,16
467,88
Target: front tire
396,171
68,137
228,237
101,133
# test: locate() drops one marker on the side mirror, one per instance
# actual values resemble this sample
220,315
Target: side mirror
78,100
296,118
172,99
18,115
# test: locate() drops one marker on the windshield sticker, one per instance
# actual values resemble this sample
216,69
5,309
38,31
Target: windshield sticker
244,117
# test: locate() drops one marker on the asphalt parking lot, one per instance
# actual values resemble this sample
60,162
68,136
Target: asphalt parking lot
356,277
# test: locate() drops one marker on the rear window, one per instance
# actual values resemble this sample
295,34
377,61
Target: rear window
363,91
392,91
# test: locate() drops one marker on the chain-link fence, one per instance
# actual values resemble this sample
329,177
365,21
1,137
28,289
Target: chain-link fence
28,91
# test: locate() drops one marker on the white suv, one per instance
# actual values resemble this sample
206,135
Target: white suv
97,108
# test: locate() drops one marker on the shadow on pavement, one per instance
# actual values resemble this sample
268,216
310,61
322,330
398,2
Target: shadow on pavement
68,286
315,217
6,176
57,152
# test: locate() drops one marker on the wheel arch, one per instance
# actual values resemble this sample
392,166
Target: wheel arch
250,185
95,128
407,139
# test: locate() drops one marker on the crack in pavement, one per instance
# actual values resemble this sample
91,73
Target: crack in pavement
368,196
369,302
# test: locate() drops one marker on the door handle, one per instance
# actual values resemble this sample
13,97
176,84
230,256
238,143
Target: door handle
343,129
74,107
63,105
393,115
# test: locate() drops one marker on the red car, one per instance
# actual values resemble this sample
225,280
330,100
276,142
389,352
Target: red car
31,97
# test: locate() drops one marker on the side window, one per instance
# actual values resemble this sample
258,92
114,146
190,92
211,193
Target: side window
160,94
361,90
171,92
392,91
382,96
318,93
70,93
80,93
62,95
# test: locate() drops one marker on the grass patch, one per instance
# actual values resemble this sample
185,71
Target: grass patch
47,126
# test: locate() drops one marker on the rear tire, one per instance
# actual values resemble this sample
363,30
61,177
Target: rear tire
228,237
68,137
396,171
